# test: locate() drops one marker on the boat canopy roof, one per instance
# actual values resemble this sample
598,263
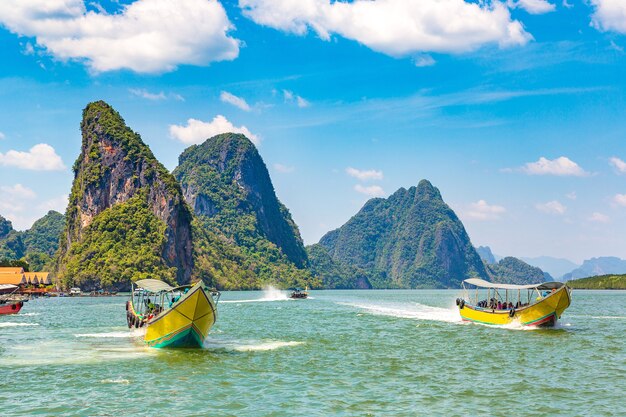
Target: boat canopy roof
153,285
7,287
486,284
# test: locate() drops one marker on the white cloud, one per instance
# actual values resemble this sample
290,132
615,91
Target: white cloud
41,157
284,169
197,131
620,199
533,6
58,204
229,98
572,195
551,207
618,164
395,27
424,60
372,190
364,175
290,96
481,210
147,95
599,218
18,192
147,36
2,136
562,166
609,15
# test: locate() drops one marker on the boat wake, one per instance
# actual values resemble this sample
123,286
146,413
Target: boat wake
105,335
11,324
248,346
415,311
115,381
269,294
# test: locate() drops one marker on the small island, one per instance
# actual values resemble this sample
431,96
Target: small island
601,282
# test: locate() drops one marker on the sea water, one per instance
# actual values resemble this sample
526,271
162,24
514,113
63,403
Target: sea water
345,353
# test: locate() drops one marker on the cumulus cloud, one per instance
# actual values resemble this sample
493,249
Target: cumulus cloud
58,204
372,190
551,207
618,164
284,169
599,218
609,15
533,6
2,136
562,166
197,131
238,102
146,36
364,175
41,157
620,199
395,27
424,60
572,195
481,210
18,192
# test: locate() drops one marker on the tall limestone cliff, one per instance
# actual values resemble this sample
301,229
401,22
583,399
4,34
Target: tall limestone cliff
126,218
228,186
412,239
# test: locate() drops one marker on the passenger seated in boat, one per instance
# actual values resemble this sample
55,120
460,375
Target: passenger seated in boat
499,305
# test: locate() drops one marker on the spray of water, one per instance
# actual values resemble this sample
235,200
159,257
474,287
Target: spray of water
248,346
11,324
269,294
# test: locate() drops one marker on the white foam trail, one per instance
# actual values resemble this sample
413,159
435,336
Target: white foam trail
29,314
115,381
609,317
269,294
250,346
411,311
10,324
105,335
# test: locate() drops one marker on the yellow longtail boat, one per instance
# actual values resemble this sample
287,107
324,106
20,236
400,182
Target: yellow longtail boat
173,316
529,305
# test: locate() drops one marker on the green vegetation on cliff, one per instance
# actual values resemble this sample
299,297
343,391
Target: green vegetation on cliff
410,240
602,282
244,237
123,243
511,270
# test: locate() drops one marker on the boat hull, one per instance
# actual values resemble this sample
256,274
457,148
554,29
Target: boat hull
11,308
544,313
186,324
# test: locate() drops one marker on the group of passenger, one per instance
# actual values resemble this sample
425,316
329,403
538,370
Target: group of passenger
494,304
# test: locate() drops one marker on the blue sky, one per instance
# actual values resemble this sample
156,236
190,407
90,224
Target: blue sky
515,111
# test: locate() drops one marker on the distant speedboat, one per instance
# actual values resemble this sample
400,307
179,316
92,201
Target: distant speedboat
529,305
298,293
173,316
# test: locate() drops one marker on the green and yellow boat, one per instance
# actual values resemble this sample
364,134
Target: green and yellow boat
501,304
173,316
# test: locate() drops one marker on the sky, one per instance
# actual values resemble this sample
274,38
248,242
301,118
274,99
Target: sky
515,110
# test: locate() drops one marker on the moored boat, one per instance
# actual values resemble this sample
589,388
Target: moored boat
9,303
173,316
500,304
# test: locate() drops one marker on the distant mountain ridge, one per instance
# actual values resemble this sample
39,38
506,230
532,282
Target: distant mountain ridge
605,265
486,255
411,239
556,267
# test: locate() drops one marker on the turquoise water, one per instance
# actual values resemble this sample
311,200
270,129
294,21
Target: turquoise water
378,353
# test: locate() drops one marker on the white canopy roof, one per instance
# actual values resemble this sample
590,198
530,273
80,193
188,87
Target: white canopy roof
153,285
7,287
486,284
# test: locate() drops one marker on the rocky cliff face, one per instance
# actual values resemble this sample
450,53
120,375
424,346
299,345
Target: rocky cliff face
411,239
512,270
225,178
115,167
